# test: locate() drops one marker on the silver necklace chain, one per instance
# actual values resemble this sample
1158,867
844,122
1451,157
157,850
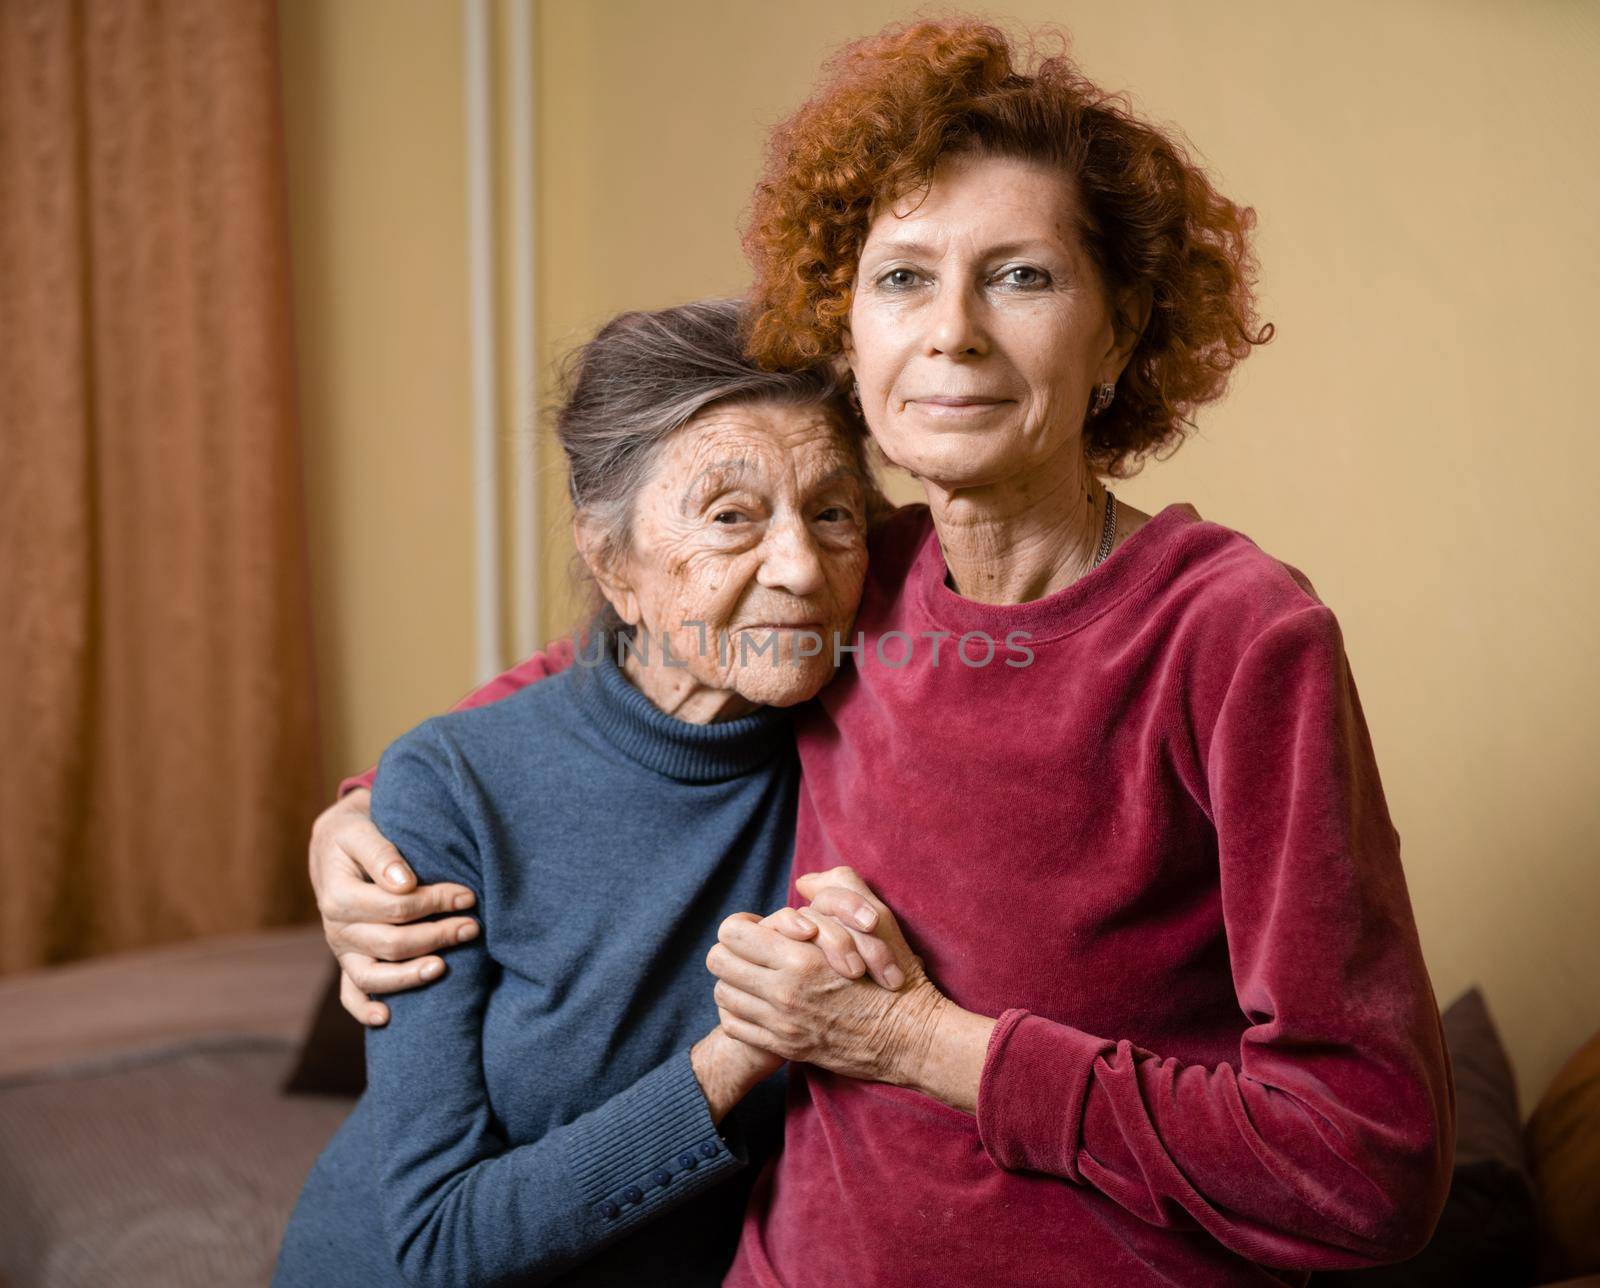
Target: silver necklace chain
1108,531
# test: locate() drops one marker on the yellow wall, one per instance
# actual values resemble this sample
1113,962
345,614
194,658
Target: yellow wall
375,121
1416,439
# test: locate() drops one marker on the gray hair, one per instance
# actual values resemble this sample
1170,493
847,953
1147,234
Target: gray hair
645,375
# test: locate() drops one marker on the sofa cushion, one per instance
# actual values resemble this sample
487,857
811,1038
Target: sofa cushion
170,1170
258,985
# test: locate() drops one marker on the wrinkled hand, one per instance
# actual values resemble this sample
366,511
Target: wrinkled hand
782,996
728,1067
368,897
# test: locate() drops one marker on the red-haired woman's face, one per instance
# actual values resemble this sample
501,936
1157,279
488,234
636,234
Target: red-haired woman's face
979,327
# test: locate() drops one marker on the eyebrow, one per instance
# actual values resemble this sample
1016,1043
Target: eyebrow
907,246
712,479
720,474
834,476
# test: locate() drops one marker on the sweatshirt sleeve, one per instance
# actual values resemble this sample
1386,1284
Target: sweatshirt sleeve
551,660
460,1203
1328,1142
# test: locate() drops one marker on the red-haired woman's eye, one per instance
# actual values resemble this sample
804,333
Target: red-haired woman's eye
1026,276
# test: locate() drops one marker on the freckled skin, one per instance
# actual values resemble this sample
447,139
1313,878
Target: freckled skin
981,288
753,518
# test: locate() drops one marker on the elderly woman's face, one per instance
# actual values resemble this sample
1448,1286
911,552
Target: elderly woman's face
979,327
752,523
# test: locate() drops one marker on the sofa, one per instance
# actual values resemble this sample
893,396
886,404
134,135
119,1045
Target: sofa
145,1135
159,1111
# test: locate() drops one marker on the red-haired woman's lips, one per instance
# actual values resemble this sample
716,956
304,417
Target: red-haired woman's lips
957,407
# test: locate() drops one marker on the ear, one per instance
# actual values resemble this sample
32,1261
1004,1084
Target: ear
1135,305
609,571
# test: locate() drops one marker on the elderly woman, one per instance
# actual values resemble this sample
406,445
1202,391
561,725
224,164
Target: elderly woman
548,1103
1167,1018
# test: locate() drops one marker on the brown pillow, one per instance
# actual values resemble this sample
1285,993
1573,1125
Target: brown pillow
1564,1147
333,1057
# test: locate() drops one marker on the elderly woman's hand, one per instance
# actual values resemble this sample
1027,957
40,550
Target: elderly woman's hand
783,997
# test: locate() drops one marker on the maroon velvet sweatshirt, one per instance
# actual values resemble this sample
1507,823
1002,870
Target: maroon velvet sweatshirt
1140,822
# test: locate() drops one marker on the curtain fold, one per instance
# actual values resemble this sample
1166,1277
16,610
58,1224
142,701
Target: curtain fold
157,735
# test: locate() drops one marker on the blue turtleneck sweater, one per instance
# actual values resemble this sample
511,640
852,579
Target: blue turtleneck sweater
532,1116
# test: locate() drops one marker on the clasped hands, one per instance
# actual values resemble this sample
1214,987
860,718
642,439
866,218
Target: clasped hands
833,984
853,999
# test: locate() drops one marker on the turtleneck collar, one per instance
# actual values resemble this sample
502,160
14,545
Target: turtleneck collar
690,753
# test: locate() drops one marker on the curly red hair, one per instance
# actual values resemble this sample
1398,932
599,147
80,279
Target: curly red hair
892,105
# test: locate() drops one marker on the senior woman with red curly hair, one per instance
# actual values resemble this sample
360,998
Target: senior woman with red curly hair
1165,1017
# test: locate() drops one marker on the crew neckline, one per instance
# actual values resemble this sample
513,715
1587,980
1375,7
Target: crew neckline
692,753
1063,611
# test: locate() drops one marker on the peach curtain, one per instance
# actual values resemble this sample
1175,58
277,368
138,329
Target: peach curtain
157,740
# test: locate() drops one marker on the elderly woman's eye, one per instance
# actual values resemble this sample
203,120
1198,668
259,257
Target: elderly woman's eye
898,279
835,514
727,516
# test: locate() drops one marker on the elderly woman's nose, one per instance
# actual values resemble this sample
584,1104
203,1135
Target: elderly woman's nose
791,560
955,326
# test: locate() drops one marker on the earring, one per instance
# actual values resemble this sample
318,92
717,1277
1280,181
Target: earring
1103,394
854,395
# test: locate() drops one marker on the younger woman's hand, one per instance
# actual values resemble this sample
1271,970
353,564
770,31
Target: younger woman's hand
841,921
368,897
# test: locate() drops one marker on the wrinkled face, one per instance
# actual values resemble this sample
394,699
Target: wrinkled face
979,326
753,523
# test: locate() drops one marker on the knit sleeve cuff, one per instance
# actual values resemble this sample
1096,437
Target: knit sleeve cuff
649,1148
1031,1093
